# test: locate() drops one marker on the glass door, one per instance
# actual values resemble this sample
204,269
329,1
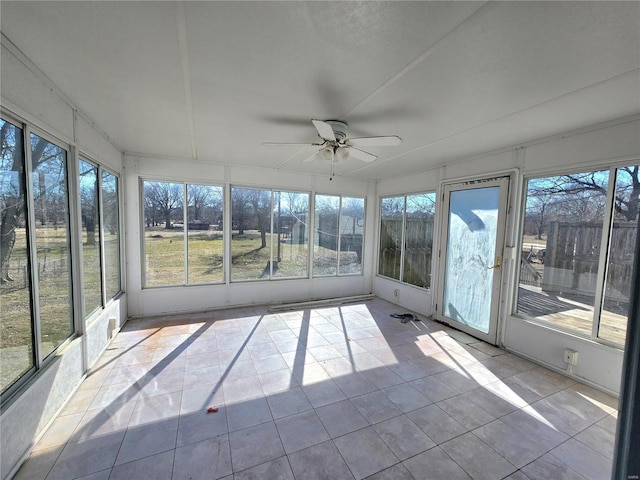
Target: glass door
473,240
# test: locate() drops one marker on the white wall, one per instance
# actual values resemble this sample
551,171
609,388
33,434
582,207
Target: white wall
617,142
154,301
27,94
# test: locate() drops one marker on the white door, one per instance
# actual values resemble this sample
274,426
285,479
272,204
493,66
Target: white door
471,255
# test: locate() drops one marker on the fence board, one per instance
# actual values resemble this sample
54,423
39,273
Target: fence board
572,256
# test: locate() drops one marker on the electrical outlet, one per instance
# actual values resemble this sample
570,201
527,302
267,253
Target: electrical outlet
570,356
396,293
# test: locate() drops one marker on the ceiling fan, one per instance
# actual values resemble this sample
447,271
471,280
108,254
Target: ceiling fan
336,146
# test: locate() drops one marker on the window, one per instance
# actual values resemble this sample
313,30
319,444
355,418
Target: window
338,235
16,338
92,274
391,230
52,241
35,244
621,255
164,234
111,234
35,282
178,252
578,248
204,234
291,249
270,234
100,235
406,238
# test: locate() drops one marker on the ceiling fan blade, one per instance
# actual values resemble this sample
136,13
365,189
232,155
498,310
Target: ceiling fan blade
324,130
390,141
361,155
279,144
311,157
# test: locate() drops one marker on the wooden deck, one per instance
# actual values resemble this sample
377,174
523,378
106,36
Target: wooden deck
571,313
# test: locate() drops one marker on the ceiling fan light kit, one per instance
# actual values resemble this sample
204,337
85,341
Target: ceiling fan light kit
342,153
337,147
325,154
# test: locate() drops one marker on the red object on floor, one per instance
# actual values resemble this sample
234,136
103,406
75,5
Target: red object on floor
212,409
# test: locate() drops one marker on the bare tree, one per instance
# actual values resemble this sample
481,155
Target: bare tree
584,194
627,199
239,206
198,198
89,199
260,201
164,199
110,202
536,216
12,199
50,191
393,207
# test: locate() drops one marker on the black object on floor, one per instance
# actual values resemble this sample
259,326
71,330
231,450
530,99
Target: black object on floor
405,317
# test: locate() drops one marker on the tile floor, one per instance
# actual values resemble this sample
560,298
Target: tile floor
325,393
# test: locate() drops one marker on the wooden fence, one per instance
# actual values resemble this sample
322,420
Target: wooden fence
417,254
327,233
572,258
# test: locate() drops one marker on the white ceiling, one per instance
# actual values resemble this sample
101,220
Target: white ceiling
213,80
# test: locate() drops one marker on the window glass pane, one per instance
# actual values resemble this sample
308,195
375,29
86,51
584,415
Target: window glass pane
561,248
391,216
418,239
92,279
251,237
351,236
49,166
16,334
291,251
111,233
164,234
204,227
613,321
325,241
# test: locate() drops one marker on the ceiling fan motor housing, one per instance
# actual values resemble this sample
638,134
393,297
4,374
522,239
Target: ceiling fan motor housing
339,129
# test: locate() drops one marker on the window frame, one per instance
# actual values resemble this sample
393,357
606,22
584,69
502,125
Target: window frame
78,318
14,387
40,359
312,234
604,249
185,215
121,251
185,231
71,248
90,317
403,237
272,192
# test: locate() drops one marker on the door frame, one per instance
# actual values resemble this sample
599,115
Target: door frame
504,250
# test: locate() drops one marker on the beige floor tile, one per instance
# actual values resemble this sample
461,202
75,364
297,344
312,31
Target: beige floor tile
320,462
477,458
356,449
335,392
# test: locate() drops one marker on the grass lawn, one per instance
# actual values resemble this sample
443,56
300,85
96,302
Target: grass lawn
165,251
54,301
